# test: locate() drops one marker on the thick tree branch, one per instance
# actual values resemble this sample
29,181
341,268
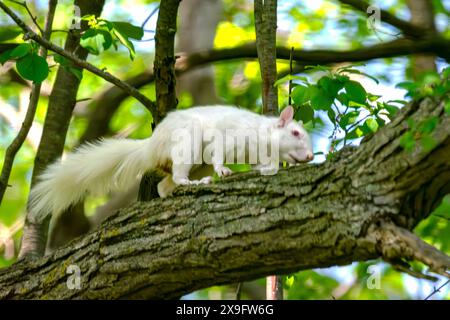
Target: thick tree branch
30,34
249,226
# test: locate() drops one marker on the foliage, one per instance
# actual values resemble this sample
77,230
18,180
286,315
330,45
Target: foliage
353,112
431,85
29,64
102,34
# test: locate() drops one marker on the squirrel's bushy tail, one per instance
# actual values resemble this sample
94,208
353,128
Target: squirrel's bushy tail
96,168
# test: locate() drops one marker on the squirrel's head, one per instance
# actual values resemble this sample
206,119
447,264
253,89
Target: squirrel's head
294,141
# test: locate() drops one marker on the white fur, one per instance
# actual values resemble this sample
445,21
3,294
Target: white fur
114,165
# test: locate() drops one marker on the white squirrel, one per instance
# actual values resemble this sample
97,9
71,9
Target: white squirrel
117,164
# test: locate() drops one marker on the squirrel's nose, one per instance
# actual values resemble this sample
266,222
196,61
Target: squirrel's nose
310,156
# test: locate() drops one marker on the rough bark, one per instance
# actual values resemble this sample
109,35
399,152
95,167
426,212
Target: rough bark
164,65
266,28
356,207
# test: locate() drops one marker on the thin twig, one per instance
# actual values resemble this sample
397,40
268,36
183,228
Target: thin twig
436,290
290,72
149,16
18,141
30,34
24,4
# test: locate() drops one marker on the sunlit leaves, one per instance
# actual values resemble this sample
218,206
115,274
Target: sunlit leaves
103,34
96,40
421,132
350,108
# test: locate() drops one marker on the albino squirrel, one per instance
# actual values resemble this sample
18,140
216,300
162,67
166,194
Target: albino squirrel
117,164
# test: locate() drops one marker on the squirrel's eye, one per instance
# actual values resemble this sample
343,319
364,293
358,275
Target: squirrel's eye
295,133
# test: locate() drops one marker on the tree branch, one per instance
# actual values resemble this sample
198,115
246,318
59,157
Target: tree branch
353,208
30,34
406,27
164,65
33,18
266,27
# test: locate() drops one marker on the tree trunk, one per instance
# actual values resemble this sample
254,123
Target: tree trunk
198,23
422,15
59,113
358,206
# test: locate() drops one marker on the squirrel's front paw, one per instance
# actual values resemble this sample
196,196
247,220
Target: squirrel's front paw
222,171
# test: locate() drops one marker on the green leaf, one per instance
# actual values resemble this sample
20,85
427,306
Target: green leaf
372,97
318,68
363,74
5,56
331,86
300,95
342,78
407,141
343,99
61,60
289,77
355,134
446,73
332,115
427,142
348,118
305,113
403,102
128,30
88,17
319,98
289,281
20,51
8,33
127,43
96,40
33,67
372,124
444,208
351,66
355,91
427,126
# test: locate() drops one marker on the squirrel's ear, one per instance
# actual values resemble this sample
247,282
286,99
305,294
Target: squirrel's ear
286,116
